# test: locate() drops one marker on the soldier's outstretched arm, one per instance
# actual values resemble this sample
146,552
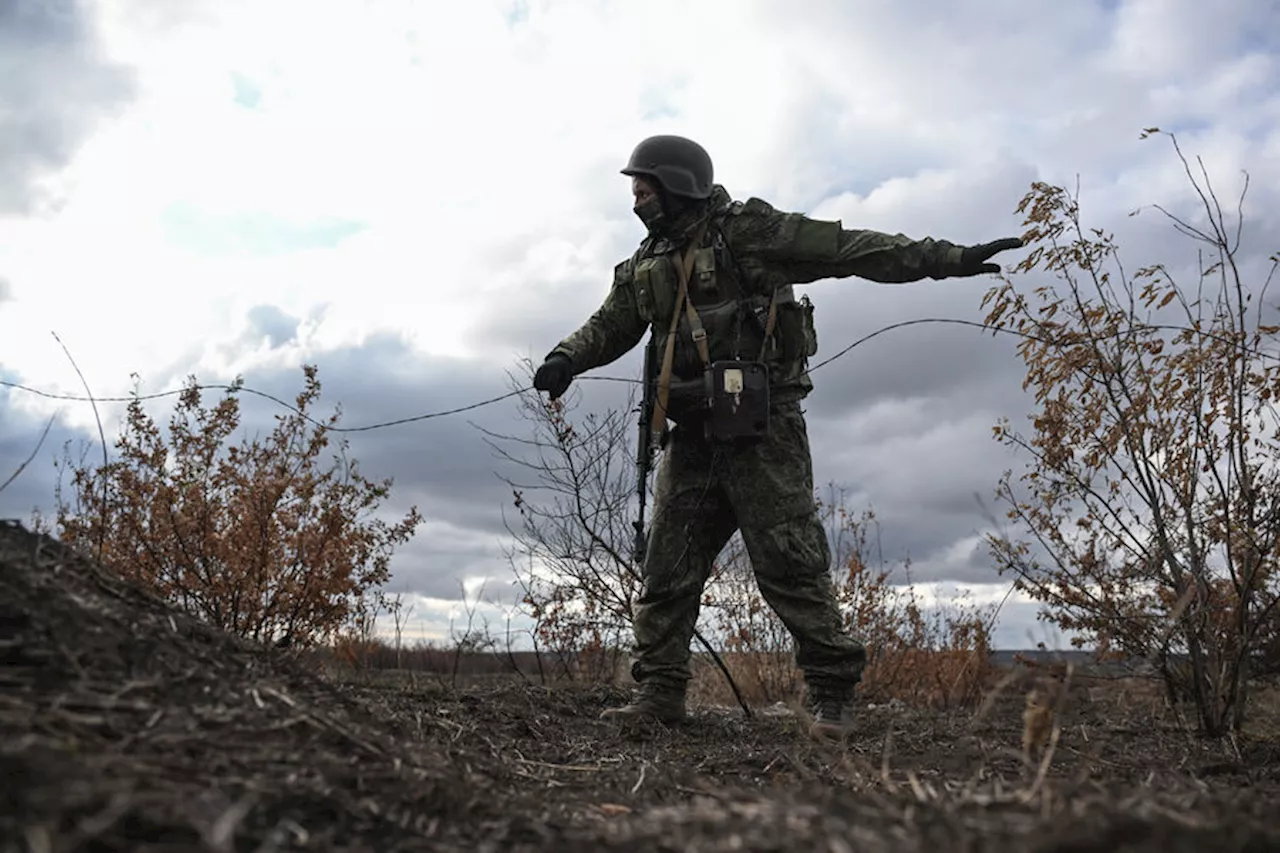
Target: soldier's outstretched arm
611,332
799,249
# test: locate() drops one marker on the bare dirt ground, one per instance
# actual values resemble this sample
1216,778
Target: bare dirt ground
128,726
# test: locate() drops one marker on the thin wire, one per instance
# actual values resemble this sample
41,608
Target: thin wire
222,387
492,400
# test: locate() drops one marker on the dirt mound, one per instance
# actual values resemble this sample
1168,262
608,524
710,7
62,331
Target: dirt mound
123,718
127,725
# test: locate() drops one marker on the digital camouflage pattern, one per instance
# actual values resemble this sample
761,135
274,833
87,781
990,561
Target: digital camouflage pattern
704,492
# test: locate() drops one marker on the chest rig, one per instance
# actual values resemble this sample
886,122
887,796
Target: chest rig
714,375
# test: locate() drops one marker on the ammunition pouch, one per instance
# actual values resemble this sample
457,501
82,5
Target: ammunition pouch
728,405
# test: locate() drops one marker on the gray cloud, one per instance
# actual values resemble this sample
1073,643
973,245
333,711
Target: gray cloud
56,85
268,321
21,444
6,289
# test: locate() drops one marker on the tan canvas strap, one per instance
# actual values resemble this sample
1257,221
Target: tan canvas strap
684,269
699,333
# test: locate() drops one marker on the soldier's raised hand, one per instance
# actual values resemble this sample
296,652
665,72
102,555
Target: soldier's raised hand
973,257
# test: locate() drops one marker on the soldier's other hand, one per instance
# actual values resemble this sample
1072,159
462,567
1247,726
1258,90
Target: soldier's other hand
554,376
973,257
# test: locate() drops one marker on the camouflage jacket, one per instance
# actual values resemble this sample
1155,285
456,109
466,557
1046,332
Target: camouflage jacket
749,251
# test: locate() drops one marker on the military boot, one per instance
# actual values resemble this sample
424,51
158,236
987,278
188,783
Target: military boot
661,702
832,714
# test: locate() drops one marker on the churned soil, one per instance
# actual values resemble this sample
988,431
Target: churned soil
127,725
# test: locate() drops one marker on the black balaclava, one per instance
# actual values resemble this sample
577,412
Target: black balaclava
667,215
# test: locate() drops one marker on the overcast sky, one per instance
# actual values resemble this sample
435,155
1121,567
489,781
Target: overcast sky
414,196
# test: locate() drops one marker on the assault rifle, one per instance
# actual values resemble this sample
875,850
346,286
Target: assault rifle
644,446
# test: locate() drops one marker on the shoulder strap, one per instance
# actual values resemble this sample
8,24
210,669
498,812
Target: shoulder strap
684,269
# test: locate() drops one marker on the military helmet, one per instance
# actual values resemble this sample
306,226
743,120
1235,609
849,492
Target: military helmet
681,165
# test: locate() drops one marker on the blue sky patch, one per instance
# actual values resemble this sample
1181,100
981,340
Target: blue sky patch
517,13
246,92
252,233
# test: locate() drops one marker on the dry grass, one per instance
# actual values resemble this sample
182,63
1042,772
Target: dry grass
1263,722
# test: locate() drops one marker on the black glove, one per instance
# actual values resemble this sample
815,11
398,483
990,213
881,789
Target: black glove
554,375
971,259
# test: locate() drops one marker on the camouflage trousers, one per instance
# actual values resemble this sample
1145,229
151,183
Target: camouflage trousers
704,494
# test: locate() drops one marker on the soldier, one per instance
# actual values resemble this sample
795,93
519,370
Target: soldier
714,278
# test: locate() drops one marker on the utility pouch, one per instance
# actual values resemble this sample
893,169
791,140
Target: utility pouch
795,330
689,404
702,284
737,394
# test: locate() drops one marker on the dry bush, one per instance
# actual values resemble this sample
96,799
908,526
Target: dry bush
262,539
1150,506
573,535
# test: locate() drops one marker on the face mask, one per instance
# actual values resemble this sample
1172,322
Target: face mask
651,214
